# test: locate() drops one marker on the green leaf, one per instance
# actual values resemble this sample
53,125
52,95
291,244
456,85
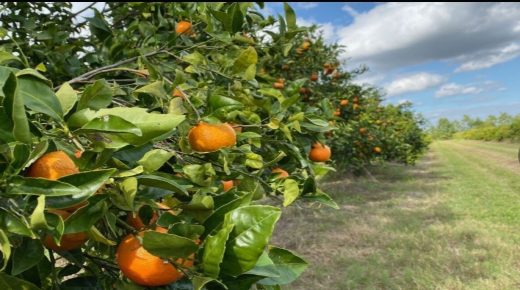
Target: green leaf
168,245
14,107
254,226
237,18
27,255
202,175
199,283
200,207
7,57
214,249
155,159
87,183
15,225
254,160
96,96
290,17
155,89
86,217
67,97
39,97
111,124
38,220
287,264
97,236
129,189
153,126
247,58
164,183
5,248
216,102
13,283
290,191
322,198
217,217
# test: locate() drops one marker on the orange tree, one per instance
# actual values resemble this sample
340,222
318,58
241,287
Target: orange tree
119,136
364,129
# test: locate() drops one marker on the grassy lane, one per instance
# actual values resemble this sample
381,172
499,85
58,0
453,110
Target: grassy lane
452,222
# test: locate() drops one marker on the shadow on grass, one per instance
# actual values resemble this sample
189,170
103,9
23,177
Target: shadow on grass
393,233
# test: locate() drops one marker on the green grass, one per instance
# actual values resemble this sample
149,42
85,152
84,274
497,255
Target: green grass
451,222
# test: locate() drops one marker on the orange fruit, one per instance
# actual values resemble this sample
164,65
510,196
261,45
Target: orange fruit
362,131
306,45
278,85
299,50
281,173
145,269
177,93
377,149
356,99
314,77
205,137
68,241
227,184
78,153
343,103
53,165
319,152
337,113
183,27
355,106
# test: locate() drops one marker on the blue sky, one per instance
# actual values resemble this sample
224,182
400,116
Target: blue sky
447,59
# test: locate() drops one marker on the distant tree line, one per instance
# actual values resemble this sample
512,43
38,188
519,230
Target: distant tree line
503,127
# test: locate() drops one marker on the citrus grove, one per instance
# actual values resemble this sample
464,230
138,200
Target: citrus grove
153,145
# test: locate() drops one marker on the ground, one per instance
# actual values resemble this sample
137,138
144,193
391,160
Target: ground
450,222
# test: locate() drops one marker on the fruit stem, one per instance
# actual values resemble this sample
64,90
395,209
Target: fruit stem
126,226
187,98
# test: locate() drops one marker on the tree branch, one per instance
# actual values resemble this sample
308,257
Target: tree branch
83,10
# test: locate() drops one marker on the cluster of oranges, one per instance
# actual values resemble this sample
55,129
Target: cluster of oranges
279,84
303,47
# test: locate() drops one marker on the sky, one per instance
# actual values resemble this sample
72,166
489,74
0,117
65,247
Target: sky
448,59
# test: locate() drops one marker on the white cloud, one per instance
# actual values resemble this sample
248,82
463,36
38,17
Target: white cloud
394,35
403,101
353,12
307,5
490,58
413,83
328,30
453,89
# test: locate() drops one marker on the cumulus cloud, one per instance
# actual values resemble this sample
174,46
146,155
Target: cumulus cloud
490,58
327,29
353,12
413,83
453,89
393,35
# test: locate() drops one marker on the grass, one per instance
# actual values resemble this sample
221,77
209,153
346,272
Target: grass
451,222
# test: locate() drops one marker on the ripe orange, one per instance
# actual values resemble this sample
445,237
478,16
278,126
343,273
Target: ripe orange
78,153
281,173
356,99
183,27
319,152
343,103
362,131
68,241
377,149
53,165
278,85
227,184
205,137
355,106
314,77
143,268
306,45
177,93
337,113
